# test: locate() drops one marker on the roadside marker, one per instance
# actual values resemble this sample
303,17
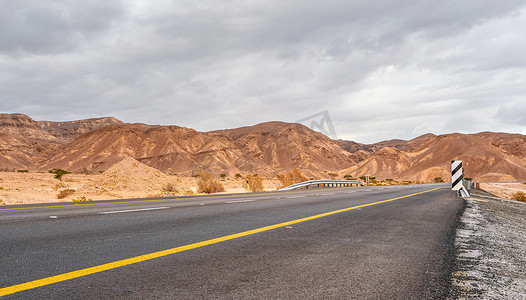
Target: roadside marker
457,178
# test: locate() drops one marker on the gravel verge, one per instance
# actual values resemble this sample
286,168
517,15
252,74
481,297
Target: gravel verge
491,249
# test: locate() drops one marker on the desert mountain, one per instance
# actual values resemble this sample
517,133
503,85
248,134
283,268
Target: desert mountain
50,132
487,157
280,146
266,148
26,143
97,144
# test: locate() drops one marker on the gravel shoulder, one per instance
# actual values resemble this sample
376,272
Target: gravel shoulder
491,255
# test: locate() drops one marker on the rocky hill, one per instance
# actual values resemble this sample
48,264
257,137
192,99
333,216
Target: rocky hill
266,148
26,143
94,145
487,157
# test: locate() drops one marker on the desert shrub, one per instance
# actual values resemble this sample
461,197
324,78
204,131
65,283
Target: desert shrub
294,176
348,177
81,199
188,192
1,188
170,188
255,183
2,202
206,184
438,180
238,176
332,175
222,175
389,180
23,171
519,196
468,178
59,185
65,193
362,178
59,173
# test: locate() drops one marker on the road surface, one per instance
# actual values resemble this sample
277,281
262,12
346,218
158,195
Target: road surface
344,243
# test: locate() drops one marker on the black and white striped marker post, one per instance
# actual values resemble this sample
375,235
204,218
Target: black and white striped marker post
457,177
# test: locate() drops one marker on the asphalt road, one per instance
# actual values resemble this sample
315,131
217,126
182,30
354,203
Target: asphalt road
399,249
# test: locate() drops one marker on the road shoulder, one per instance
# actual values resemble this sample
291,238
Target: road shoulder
490,243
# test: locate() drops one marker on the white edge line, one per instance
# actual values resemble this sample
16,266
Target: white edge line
131,210
239,201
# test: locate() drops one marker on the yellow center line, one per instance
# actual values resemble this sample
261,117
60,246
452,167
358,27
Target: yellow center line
120,263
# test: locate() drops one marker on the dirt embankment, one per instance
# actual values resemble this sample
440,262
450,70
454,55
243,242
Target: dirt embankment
126,179
503,189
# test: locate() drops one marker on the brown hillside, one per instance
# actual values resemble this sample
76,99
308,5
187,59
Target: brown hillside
26,143
265,149
16,153
269,148
354,147
385,163
66,132
484,155
280,146
20,125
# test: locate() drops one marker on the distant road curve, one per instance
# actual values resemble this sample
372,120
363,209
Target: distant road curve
373,242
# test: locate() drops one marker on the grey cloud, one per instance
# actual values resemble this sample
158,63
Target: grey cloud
513,112
44,27
384,69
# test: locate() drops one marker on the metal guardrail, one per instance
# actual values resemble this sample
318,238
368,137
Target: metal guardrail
323,183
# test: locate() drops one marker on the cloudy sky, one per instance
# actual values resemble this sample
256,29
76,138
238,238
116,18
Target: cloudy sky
383,69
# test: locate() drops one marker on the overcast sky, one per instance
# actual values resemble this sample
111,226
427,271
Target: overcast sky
383,69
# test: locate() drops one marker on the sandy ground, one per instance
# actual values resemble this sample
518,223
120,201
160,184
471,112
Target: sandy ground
503,190
25,188
21,188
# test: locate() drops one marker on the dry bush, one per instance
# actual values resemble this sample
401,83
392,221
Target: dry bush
294,176
2,202
438,180
206,184
59,185
188,192
519,196
255,183
65,193
170,188
81,199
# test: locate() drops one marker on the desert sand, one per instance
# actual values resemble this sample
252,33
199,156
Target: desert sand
504,189
125,180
